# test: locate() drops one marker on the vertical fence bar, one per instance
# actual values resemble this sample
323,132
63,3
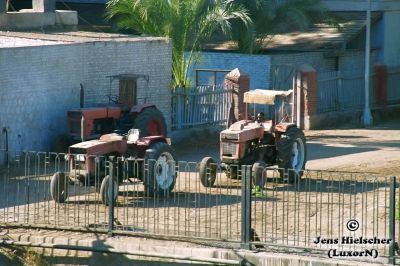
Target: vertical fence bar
246,207
110,199
392,217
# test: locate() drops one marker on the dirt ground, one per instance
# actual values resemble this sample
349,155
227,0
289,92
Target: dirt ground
374,149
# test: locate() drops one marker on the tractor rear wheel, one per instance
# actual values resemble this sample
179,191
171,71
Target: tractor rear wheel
292,154
59,187
207,171
150,122
105,191
161,175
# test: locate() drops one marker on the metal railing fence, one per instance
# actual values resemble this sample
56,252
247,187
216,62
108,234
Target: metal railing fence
202,105
283,214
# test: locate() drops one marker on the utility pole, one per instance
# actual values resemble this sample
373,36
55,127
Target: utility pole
367,117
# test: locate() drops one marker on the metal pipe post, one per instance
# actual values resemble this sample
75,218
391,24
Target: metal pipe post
392,219
367,117
110,196
246,207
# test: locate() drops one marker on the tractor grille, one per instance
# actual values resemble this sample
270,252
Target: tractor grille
228,148
229,135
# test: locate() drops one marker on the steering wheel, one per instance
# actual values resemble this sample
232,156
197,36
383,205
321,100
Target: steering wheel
113,98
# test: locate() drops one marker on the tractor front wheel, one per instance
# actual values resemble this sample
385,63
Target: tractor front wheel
292,154
59,187
106,193
161,175
207,171
259,174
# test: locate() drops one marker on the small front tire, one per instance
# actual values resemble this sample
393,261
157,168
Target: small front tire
59,187
259,174
207,171
105,191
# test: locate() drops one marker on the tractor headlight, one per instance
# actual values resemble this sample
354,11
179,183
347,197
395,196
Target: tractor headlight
80,157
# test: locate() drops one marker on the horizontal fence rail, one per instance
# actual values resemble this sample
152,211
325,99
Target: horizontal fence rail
300,213
201,105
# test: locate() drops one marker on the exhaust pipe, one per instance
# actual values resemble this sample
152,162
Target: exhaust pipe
81,97
5,131
83,128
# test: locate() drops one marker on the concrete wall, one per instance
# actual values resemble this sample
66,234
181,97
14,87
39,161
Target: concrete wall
256,66
39,84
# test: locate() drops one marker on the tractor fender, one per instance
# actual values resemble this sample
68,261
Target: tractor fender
284,127
149,140
140,107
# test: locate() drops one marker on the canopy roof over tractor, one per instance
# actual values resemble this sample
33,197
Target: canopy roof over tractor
264,96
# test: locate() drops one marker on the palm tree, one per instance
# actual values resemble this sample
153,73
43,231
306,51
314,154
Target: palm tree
273,16
188,23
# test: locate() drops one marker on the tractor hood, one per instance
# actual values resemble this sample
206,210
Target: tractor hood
110,143
242,131
91,113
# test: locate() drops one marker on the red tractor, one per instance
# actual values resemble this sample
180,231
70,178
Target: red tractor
122,113
149,159
260,142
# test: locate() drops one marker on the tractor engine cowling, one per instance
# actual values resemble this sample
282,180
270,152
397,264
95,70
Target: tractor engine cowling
233,140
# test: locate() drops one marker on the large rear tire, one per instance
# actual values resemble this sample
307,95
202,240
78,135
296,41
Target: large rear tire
207,171
59,187
292,154
150,122
161,175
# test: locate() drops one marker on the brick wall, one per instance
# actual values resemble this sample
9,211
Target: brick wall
39,84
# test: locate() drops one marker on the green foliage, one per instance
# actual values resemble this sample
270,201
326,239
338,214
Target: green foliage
20,256
188,24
